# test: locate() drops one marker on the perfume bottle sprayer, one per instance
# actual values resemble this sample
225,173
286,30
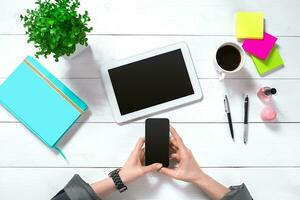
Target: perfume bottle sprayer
266,93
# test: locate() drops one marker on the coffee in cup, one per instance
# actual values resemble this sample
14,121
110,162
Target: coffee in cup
229,58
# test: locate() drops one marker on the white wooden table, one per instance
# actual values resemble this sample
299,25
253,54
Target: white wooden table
268,164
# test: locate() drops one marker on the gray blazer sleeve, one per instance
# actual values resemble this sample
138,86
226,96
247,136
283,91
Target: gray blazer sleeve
239,192
78,189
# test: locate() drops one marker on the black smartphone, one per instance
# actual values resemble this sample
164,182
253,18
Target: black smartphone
157,141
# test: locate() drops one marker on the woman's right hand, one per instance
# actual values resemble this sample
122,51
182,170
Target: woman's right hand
187,168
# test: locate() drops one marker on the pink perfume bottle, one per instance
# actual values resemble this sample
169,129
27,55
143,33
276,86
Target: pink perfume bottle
265,93
268,113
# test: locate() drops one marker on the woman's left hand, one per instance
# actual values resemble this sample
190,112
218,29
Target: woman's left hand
134,166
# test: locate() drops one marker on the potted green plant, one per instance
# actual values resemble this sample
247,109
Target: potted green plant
55,27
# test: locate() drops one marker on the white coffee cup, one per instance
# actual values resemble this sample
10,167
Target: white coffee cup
222,72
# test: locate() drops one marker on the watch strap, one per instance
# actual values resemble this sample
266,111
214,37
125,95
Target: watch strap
114,175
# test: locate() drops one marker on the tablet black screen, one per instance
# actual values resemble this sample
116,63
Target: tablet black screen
151,81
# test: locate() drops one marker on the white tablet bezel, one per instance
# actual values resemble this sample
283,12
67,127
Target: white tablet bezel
153,109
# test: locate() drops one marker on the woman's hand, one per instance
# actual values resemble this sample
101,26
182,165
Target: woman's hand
187,169
132,170
134,166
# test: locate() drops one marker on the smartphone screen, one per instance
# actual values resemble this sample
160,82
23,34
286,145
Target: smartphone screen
157,141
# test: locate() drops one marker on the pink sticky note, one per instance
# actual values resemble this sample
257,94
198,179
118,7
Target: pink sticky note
260,48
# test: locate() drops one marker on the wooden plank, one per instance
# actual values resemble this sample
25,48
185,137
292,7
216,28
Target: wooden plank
210,109
94,145
45,183
104,49
168,17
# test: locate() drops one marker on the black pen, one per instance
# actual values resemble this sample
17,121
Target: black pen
246,108
227,110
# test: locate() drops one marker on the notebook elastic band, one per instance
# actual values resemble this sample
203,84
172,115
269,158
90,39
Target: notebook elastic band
53,86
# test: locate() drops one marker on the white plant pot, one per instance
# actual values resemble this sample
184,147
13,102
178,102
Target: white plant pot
79,49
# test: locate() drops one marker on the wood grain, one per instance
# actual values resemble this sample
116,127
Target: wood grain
210,109
108,145
105,49
194,17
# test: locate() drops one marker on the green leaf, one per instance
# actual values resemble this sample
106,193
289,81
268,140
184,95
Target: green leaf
52,31
50,21
55,27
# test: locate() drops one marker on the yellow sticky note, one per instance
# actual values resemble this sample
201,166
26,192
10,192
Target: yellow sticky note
249,25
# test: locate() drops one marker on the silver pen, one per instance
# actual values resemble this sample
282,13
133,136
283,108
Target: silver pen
246,108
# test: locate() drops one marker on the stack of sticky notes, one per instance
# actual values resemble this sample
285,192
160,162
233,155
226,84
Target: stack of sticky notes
260,45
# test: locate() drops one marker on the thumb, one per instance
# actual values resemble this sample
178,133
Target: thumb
152,167
168,172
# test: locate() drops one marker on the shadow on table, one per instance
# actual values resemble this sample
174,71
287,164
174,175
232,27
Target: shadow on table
275,125
83,65
75,128
77,68
143,189
241,85
85,61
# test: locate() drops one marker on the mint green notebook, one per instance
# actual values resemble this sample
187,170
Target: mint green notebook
40,101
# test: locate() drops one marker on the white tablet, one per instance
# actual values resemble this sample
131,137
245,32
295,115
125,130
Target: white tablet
151,82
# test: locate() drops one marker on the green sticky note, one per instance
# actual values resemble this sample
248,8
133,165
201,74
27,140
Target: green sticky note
272,62
249,25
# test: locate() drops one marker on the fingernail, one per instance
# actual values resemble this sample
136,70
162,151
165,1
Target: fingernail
159,166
